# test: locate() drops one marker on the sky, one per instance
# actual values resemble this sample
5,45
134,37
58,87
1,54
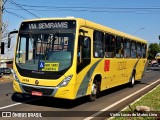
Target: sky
136,17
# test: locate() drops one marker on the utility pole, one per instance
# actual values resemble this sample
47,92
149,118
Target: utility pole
1,9
159,39
1,19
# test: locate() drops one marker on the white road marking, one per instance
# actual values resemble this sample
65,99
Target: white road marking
116,103
148,70
8,106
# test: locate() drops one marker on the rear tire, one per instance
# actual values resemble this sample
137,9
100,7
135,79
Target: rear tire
132,82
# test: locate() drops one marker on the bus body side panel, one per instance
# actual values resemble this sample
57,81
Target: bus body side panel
84,79
140,69
84,76
119,71
112,73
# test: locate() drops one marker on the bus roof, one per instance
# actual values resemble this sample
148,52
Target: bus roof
89,24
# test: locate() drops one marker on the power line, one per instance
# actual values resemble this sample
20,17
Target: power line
82,7
15,14
4,4
87,10
18,5
137,10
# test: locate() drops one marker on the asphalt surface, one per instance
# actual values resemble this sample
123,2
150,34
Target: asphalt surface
78,109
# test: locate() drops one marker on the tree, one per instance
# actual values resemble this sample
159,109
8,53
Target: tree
153,49
8,54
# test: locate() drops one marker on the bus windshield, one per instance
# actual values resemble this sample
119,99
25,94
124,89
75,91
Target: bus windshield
48,51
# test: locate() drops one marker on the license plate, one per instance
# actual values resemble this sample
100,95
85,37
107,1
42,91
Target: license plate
35,93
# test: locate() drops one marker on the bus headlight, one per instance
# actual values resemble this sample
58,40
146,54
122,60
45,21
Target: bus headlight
65,81
15,76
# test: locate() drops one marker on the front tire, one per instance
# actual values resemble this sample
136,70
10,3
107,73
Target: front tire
95,91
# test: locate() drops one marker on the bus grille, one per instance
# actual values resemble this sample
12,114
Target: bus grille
45,91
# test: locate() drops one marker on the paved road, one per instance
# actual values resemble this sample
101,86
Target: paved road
111,100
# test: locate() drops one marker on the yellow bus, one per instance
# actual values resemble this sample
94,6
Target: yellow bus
72,57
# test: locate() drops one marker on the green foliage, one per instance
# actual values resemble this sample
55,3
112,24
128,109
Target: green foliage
151,99
153,49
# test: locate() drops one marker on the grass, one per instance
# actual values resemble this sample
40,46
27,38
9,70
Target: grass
151,99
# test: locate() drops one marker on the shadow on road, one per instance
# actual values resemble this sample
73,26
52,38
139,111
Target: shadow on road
59,103
115,89
48,101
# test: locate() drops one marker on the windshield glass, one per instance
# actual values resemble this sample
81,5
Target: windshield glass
45,51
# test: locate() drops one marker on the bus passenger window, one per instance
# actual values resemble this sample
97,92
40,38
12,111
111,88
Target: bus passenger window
139,50
133,49
109,46
98,47
127,48
119,47
144,51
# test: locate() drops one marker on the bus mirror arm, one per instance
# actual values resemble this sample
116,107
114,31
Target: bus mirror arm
2,47
9,38
83,31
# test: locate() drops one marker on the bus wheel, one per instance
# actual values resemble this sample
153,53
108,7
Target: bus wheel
132,82
95,91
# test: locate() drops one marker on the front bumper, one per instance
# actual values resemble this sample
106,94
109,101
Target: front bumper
63,92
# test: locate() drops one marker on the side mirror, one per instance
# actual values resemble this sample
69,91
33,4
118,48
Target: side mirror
83,31
9,42
2,47
9,38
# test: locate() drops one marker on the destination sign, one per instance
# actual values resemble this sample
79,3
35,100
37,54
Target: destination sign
48,25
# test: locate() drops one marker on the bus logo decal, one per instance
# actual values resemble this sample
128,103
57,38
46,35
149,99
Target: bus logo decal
36,82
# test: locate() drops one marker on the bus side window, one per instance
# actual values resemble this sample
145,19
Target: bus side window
119,47
133,49
109,46
98,44
127,51
144,47
86,48
139,50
